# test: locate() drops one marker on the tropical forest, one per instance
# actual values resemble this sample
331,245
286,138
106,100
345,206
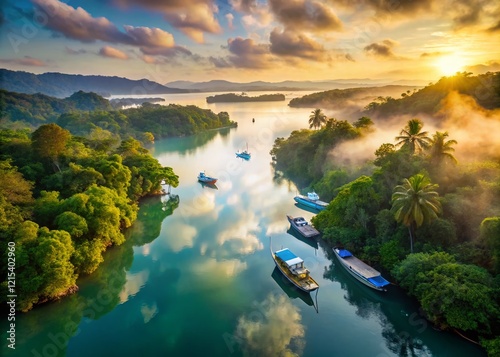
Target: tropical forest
411,207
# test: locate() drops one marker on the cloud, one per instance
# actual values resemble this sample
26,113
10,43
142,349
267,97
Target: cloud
305,15
25,61
245,53
192,17
111,52
230,19
490,66
381,49
272,329
71,51
389,7
289,43
78,24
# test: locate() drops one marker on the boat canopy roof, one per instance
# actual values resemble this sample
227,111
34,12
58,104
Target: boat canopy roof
288,257
378,281
344,253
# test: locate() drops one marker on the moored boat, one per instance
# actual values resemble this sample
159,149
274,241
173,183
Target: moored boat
244,154
311,200
206,179
294,270
360,270
302,226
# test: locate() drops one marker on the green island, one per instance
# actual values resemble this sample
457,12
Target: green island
413,210
72,173
233,97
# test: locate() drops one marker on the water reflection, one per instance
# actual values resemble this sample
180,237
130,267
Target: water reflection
47,330
309,241
190,145
290,290
273,329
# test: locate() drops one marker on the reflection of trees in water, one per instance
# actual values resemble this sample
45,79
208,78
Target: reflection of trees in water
401,331
190,144
47,329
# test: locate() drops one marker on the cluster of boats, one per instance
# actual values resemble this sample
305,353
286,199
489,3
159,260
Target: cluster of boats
292,266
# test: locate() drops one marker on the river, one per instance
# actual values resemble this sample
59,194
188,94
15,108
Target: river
196,278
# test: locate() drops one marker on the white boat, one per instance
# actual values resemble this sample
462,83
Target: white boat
360,270
311,200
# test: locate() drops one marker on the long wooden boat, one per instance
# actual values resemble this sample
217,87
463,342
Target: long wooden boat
360,270
302,226
292,267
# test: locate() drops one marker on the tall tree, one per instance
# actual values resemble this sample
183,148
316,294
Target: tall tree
412,137
441,149
415,202
49,141
317,119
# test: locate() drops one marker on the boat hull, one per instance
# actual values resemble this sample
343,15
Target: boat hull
318,206
207,180
357,276
283,271
243,156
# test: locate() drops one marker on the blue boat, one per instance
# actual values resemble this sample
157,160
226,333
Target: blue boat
311,200
244,154
360,270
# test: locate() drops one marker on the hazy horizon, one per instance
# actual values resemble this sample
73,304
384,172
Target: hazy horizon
251,40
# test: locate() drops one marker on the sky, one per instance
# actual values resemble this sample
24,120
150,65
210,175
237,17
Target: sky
250,40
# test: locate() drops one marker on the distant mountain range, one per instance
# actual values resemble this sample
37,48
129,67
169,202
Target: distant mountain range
64,85
225,86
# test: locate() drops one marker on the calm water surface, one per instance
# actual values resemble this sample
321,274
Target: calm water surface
195,278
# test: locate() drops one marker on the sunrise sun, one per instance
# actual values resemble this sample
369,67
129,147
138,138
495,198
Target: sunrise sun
449,65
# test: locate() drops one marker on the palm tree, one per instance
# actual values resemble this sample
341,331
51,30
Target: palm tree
441,149
412,137
317,119
415,202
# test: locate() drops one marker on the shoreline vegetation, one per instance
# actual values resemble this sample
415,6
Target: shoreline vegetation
236,98
413,209
72,173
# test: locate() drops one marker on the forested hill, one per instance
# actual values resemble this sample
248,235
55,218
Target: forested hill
84,113
63,85
484,88
342,97
37,109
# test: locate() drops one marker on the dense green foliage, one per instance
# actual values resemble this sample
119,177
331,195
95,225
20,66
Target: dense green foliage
37,109
413,187
91,116
63,202
234,98
342,97
483,88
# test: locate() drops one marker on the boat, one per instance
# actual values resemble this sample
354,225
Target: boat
292,267
360,270
244,154
311,200
302,226
206,179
